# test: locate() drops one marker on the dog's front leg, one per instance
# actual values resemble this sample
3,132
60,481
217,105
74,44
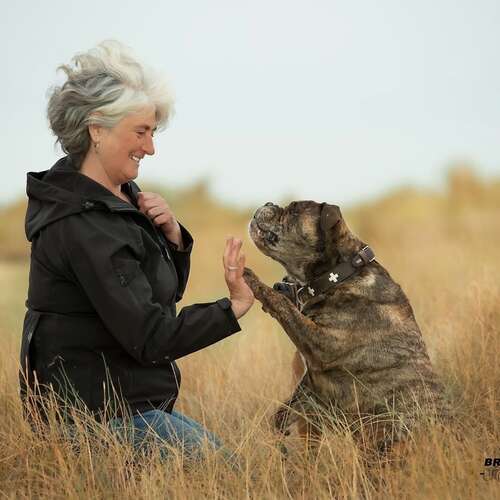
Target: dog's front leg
314,342
290,409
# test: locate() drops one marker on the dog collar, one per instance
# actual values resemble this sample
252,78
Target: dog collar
330,279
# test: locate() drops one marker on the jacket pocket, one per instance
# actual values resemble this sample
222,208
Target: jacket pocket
126,270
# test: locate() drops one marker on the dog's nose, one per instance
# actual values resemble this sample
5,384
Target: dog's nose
266,212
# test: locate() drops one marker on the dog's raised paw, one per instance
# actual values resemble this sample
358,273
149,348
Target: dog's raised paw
251,278
248,273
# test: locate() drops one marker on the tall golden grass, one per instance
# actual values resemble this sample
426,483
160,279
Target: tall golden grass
441,247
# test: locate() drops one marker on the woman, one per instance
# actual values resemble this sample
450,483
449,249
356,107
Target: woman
109,262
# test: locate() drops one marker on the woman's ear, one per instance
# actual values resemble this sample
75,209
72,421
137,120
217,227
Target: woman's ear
95,132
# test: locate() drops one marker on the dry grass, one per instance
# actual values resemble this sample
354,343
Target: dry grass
442,249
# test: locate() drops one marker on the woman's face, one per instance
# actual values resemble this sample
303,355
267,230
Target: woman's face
122,147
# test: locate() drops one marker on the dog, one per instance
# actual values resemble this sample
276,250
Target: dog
365,364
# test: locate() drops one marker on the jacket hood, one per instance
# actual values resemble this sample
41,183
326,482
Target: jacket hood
62,191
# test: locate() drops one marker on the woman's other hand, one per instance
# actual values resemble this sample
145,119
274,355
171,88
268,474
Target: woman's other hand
239,292
157,209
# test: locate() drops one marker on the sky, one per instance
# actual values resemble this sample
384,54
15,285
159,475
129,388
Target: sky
338,101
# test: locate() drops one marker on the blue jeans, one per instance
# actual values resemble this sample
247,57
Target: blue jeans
158,428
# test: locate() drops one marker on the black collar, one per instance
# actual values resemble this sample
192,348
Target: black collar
302,294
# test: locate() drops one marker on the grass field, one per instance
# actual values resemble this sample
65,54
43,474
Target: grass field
442,249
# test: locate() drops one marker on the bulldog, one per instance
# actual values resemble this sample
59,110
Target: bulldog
365,365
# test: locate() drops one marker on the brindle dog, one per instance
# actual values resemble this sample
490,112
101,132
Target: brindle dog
366,364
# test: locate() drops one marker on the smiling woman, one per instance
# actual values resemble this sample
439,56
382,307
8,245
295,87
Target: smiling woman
109,262
105,85
116,154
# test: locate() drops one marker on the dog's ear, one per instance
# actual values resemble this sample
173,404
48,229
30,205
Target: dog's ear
330,216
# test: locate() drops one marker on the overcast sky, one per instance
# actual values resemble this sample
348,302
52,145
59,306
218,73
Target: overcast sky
332,100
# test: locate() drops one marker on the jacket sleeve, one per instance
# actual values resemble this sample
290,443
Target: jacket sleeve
123,300
180,258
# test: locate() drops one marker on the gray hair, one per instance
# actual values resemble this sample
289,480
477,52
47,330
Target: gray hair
106,84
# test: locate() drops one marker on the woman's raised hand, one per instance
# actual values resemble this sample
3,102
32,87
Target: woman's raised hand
239,292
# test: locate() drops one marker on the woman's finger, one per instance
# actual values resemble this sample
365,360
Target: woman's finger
237,256
235,249
163,219
158,210
227,250
233,269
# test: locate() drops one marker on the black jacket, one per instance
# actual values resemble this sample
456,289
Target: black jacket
101,319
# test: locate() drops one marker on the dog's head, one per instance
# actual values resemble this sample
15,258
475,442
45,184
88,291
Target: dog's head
305,237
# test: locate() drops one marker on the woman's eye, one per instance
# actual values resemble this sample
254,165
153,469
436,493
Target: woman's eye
142,133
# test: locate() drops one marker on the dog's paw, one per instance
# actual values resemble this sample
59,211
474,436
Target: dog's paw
248,274
261,291
252,281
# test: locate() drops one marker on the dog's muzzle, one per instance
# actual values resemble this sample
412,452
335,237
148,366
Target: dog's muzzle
266,213
263,218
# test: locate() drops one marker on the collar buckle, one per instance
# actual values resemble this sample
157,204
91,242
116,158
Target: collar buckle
363,257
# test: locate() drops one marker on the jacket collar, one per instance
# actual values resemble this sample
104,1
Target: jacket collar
62,191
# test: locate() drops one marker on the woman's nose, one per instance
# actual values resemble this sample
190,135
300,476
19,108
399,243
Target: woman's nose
149,147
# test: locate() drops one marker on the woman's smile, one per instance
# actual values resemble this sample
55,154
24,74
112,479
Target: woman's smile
136,159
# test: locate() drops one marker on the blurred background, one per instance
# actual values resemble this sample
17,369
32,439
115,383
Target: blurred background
389,109
337,101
